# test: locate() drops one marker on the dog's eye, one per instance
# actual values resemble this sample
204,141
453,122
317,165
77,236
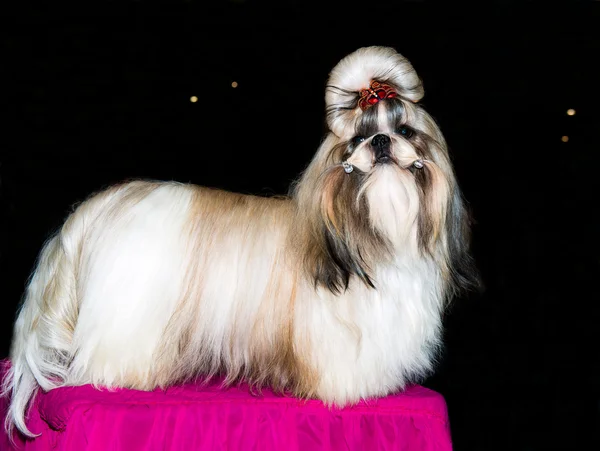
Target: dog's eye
357,140
405,131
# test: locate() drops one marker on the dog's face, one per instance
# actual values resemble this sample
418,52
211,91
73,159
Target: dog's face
382,186
390,133
399,157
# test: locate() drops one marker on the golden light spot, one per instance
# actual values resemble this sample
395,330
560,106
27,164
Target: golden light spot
193,99
234,84
564,139
571,112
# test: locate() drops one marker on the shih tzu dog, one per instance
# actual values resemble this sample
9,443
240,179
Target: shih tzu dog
336,292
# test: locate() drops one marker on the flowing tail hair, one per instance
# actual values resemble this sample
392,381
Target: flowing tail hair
42,346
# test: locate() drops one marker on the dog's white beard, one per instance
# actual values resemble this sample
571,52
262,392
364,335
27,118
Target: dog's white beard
394,205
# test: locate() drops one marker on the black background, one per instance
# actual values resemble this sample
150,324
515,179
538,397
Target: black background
97,93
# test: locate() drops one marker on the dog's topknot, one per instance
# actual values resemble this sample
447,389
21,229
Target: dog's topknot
355,73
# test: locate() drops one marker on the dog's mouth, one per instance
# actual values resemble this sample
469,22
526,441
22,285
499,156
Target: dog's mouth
385,157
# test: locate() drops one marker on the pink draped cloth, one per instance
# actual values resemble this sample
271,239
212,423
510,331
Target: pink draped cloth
196,417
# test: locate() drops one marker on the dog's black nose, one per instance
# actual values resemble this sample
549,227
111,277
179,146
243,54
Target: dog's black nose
381,141
381,146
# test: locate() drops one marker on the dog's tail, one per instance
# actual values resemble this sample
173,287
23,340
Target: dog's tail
43,331
42,341
42,347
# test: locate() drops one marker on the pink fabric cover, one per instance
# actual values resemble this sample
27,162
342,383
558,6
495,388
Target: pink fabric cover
193,417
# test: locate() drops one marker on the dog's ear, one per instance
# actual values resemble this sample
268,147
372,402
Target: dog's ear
342,243
463,275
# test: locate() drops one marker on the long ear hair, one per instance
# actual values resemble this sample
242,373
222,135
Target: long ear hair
463,274
444,219
332,231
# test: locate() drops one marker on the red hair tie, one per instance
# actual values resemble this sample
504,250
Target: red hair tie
374,93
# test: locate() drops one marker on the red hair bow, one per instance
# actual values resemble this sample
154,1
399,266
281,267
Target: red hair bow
374,93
